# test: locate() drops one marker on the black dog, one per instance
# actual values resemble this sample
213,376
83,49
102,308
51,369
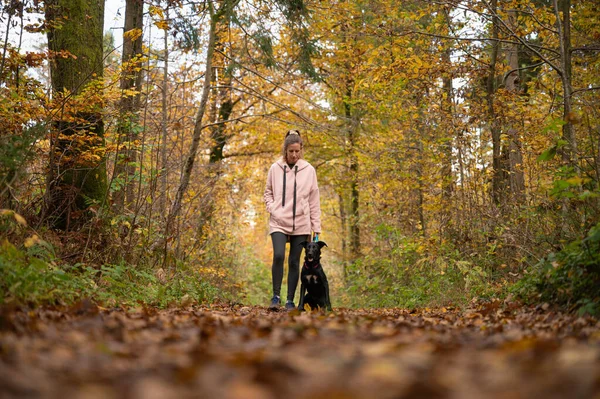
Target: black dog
313,278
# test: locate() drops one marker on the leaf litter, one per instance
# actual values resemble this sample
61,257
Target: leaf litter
492,350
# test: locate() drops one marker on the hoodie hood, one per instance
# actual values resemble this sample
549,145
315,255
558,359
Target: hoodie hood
301,164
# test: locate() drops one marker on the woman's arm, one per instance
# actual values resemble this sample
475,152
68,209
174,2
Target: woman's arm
268,196
314,202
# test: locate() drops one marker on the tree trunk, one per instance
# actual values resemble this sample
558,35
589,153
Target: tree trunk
198,126
446,168
562,9
354,194
164,173
221,110
498,175
418,191
129,105
515,156
415,145
77,171
344,227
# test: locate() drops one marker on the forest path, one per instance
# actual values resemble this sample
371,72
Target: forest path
490,351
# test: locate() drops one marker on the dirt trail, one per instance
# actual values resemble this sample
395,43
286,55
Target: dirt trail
248,352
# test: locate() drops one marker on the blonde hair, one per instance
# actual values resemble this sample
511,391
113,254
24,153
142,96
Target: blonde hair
291,137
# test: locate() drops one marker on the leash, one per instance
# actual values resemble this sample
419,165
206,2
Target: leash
316,237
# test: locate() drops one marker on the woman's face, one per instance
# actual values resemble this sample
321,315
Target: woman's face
292,154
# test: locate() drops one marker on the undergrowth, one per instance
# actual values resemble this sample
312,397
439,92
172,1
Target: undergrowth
457,283
32,276
410,275
569,277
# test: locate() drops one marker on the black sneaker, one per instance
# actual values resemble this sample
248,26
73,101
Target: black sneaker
274,303
289,305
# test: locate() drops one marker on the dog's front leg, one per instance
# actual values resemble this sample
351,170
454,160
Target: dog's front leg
302,293
327,300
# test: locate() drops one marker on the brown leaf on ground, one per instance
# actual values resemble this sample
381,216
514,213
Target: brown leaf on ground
491,351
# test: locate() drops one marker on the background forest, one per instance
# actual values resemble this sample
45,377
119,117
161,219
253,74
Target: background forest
457,146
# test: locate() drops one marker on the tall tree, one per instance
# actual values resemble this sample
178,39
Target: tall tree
130,84
562,10
514,156
77,170
215,17
498,178
221,108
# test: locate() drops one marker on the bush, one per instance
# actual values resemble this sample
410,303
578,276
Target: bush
31,276
570,277
415,272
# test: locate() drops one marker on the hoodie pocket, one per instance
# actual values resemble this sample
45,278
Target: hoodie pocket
302,208
276,214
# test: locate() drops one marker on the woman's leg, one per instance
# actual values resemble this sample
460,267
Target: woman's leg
294,264
279,240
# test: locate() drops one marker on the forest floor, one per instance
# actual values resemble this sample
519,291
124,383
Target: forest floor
492,350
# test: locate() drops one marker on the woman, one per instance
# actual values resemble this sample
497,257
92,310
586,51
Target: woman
292,199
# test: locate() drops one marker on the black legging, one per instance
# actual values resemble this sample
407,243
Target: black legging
279,240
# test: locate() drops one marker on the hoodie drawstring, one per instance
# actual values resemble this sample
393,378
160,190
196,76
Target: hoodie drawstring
283,198
294,207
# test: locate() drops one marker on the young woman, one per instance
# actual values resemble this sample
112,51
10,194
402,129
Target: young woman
292,200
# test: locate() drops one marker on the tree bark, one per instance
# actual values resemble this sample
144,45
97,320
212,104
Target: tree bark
343,226
498,175
164,174
76,175
353,167
446,168
129,105
562,9
516,178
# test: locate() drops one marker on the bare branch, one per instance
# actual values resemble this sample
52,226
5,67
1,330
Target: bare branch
586,89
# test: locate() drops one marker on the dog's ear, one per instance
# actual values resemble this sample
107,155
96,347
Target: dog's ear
303,244
321,244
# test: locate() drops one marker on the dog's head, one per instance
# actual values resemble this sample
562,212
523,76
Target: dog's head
312,250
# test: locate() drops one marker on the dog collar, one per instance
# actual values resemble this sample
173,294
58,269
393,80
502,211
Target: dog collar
308,267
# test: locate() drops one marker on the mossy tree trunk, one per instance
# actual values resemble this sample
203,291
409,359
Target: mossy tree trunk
76,177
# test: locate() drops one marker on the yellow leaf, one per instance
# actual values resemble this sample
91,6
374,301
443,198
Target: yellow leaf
164,25
20,219
133,34
31,241
153,10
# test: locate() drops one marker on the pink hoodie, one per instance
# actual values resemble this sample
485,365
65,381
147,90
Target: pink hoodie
297,211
